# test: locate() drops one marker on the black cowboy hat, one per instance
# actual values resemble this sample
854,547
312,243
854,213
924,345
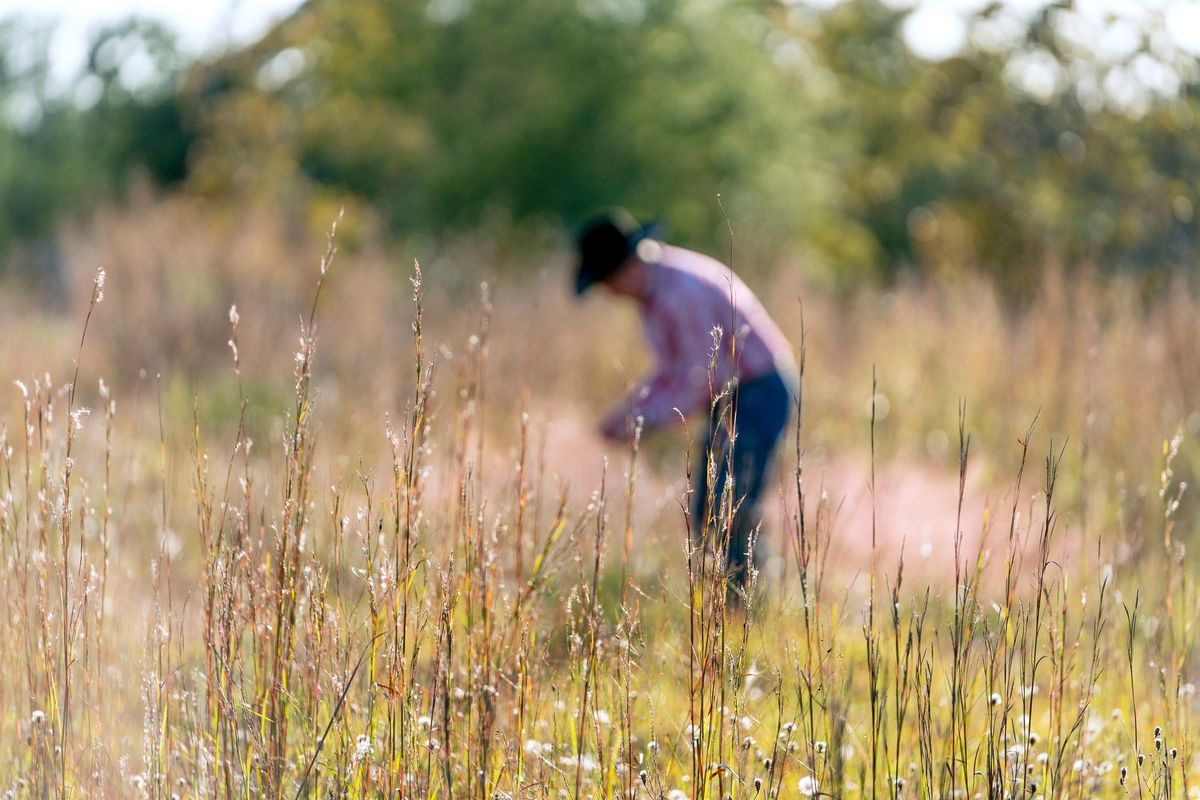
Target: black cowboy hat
605,243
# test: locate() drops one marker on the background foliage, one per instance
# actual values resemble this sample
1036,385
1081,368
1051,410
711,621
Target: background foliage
823,135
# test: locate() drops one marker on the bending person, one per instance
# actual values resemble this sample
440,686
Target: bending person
717,351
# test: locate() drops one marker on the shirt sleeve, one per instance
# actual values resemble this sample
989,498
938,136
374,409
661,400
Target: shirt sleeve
682,343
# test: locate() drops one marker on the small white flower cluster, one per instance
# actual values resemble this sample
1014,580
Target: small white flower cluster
362,749
587,763
535,748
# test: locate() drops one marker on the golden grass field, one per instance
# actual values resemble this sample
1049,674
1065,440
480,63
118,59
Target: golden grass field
356,538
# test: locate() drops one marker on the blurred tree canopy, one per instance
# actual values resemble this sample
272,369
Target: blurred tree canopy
820,130
64,149
1006,157
442,112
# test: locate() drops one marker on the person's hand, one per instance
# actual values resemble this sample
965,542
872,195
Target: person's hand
616,427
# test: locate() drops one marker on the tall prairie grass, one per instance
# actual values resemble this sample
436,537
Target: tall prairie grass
329,530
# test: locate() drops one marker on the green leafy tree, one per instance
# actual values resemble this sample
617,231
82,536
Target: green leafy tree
956,166
441,112
64,149
822,133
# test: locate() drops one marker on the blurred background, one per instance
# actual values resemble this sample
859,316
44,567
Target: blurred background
978,219
993,201
863,139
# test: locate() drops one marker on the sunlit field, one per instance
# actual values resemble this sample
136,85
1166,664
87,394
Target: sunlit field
284,517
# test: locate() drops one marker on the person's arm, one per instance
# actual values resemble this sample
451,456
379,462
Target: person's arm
679,383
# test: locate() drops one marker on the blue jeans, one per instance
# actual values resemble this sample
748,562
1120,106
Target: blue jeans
759,411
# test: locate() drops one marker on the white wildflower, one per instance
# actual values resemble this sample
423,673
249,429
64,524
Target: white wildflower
362,748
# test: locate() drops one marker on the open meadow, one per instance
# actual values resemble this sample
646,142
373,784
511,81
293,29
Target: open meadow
278,525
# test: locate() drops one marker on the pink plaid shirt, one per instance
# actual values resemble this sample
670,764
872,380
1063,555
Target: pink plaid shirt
688,296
